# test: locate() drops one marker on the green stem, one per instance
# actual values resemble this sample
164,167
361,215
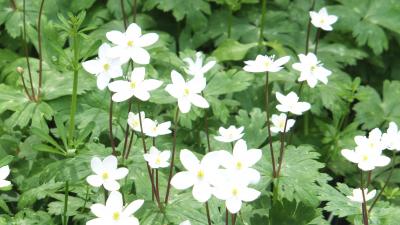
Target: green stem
317,41
25,45
230,22
110,124
171,168
309,27
134,10
86,198
40,48
208,213
206,128
65,218
282,149
74,98
364,203
269,125
124,14
263,11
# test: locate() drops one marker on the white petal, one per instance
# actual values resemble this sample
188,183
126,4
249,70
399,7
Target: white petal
382,161
94,180
208,66
141,94
114,201
151,84
249,194
233,205
92,66
140,56
147,40
110,163
133,31
97,221
177,78
102,81
111,185
99,210
103,50
138,74
184,105
116,37
119,86
122,96
120,173
182,180
4,183
240,149
350,155
4,172
189,160
133,207
96,165
201,192
199,101
252,156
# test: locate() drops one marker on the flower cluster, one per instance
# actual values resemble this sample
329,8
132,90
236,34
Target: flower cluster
222,174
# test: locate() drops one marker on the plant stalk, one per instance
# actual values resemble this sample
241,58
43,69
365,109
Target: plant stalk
364,203
171,168
110,127
40,48
208,213
25,45
269,125
309,27
282,149
262,22
65,218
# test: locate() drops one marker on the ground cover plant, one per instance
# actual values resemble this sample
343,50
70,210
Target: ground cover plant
247,112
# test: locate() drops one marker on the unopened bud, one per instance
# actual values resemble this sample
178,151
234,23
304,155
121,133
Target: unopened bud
20,70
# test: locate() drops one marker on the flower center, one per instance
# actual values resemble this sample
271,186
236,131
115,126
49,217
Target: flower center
116,216
158,160
313,68
133,84
200,174
105,176
106,67
186,91
322,21
267,64
130,43
282,124
235,192
365,157
239,165
371,145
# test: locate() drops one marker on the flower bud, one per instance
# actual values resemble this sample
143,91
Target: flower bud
20,70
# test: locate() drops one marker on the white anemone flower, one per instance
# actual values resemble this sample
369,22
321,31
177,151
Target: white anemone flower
154,129
106,173
372,143
391,139
241,161
134,120
366,159
311,70
264,63
234,191
130,45
322,19
186,222
187,93
4,172
104,67
290,103
196,68
229,134
137,86
156,158
114,212
358,196
198,174
278,122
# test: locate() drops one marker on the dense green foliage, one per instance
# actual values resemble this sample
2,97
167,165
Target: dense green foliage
363,93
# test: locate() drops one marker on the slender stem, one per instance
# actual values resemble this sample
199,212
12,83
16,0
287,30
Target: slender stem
86,198
110,126
369,178
130,145
263,11
127,130
317,41
25,45
208,213
134,10
65,218
226,216
386,182
364,203
309,27
269,125
282,149
13,5
123,14
206,128
171,168
75,85
233,219
230,22
40,48
153,187
24,85
157,185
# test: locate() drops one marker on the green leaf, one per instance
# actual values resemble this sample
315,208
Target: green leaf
47,138
6,160
254,126
232,50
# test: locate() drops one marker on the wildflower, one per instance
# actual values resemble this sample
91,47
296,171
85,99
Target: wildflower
264,63
290,103
365,158
4,172
373,142
114,212
106,173
230,134
134,121
130,45
104,67
137,86
391,139
358,196
196,68
187,93
279,123
153,129
311,70
322,19
157,159
198,174
241,161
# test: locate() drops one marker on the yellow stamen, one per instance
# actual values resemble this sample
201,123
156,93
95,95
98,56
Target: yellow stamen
133,84
105,176
365,157
200,174
186,91
116,216
130,43
239,165
158,160
235,192
106,66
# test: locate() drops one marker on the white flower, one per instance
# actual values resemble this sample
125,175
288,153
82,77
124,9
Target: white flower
153,129
230,134
106,173
104,67
372,143
4,172
130,45
186,222
157,159
134,122
137,86
322,20
187,93
264,63
358,197
196,68
114,212
366,159
279,123
234,191
311,70
198,174
241,161
290,103
391,139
